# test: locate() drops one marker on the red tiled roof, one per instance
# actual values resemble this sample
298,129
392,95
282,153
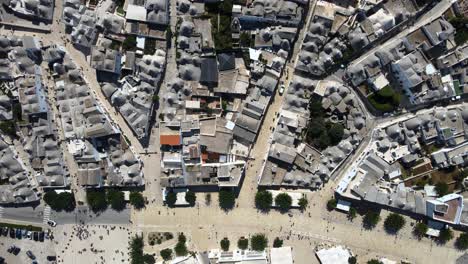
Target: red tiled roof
170,140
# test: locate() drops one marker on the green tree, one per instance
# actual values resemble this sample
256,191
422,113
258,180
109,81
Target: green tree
181,249
51,199
63,201
168,33
303,202
445,235
155,98
461,32
137,200
316,128
374,261
245,39
67,200
278,242
243,243
129,43
258,242
393,223
315,107
331,204
181,238
263,200
171,198
136,250
323,141
96,200
224,105
442,188
8,127
116,199
352,260
420,230
208,199
352,213
17,112
225,244
227,199
462,241
191,198
283,201
336,133
166,254
148,259
371,219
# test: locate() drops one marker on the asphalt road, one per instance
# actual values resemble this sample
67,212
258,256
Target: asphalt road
29,215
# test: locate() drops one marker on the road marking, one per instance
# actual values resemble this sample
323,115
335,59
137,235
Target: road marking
46,214
1,212
317,236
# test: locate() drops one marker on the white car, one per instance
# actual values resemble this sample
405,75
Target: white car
281,90
51,223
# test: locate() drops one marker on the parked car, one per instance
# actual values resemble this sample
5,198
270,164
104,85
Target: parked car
35,236
30,254
12,232
5,231
41,236
51,258
18,234
2,260
14,250
281,89
51,223
24,232
29,234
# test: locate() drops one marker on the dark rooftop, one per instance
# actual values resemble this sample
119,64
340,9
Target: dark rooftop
209,70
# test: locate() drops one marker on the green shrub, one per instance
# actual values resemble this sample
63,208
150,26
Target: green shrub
166,254
331,204
258,242
303,202
191,198
243,243
225,244
445,235
352,213
442,188
420,230
462,241
171,199
277,243
352,260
